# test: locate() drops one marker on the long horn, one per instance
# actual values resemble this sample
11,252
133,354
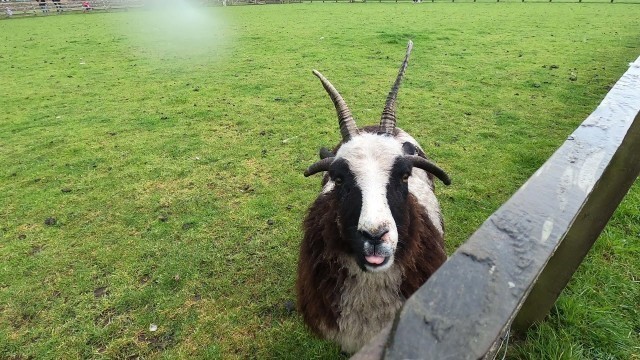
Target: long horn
388,120
430,167
322,165
348,127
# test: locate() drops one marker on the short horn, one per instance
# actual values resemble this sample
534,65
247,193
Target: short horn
322,165
347,124
388,120
429,167
325,153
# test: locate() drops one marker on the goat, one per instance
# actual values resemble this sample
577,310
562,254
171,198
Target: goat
375,233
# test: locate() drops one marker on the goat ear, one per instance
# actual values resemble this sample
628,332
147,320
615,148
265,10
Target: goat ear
325,153
409,149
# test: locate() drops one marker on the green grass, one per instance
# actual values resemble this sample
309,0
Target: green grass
170,154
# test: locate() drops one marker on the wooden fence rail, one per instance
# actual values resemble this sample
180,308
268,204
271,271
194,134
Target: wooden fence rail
513,268
17,8
464,1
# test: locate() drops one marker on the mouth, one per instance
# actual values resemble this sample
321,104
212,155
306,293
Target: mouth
376,260
376,257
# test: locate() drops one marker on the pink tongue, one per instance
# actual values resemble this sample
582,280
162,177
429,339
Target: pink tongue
374,259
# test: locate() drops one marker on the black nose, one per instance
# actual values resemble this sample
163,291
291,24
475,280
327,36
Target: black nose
375,238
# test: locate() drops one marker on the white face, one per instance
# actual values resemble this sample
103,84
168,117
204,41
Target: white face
371,158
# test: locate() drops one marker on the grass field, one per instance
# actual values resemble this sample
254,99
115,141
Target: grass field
151,167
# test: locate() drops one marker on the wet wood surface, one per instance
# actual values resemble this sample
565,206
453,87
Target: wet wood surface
517,263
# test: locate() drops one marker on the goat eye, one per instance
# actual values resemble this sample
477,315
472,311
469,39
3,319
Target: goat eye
338,181
405,177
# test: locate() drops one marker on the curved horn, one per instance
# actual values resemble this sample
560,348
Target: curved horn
348,127
388,120
430,167
322,165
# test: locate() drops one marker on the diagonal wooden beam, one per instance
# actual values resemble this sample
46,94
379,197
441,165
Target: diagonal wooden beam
517,263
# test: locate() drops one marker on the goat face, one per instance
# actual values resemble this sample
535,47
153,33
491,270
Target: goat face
369,178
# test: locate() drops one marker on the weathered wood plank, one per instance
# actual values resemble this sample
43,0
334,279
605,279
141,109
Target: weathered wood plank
594,215
465,306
